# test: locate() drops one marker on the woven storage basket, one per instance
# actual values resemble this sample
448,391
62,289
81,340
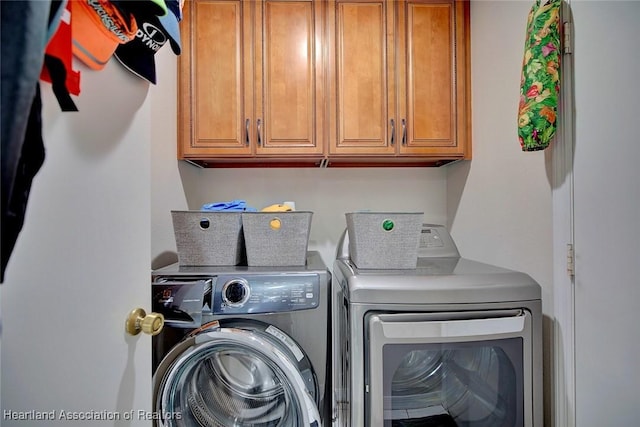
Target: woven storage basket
384,240
208,238
276,239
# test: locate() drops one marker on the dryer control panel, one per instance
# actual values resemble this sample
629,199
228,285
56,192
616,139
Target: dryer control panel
435,241
277,293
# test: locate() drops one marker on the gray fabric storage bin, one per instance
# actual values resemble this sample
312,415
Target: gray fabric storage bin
384,240
208,238
276,239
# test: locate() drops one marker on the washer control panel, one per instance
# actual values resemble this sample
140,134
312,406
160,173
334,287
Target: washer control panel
252,294
182,300
236,292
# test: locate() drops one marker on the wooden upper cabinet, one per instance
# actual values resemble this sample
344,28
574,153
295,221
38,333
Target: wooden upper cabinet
363,91
434,68
289,77
251,80
298,82
216,88
401,86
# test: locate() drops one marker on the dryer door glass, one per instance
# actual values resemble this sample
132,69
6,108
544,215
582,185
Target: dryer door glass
448,373
232,377
451,385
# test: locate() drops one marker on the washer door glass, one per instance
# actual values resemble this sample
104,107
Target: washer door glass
233,377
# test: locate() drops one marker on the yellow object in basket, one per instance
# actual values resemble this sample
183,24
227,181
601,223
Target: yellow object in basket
278,207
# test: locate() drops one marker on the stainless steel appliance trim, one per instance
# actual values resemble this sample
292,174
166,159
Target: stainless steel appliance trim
376,338
426,327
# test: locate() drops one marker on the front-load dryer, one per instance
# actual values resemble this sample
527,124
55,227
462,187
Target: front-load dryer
242,346
451,343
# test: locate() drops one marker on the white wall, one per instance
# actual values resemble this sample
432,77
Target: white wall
329,193
499,204
167,189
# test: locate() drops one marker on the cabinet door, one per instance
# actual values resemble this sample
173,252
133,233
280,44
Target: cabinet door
216,79
362,104
289,77
433,93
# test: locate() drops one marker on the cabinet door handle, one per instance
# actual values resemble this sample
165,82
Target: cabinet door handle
246,126
404,132
259,136
393,132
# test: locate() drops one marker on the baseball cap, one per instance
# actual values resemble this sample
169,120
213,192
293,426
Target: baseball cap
98,27
141,9
153,33
171,24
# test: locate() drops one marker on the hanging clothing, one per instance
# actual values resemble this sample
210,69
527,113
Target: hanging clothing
540,79
138,55
26,26
31,160
58,64
98,28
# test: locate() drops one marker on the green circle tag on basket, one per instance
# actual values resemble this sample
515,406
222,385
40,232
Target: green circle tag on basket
387,225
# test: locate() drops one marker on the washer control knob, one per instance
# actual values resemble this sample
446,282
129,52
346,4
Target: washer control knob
236,292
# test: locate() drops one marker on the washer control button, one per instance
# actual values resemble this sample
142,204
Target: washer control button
236,292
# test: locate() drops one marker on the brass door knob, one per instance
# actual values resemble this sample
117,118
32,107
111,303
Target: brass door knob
139,321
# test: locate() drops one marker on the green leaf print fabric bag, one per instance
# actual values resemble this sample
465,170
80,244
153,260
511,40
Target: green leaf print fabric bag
540,80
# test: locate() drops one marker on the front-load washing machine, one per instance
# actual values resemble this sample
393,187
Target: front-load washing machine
452,342
242,346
